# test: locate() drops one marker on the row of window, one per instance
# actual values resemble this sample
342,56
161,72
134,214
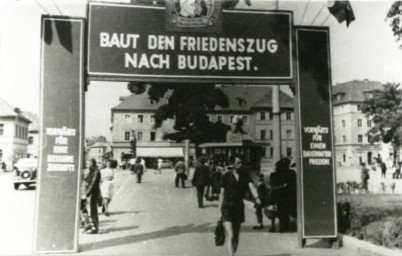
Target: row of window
359,123
263,135
359,138
21,132
140,136
219,118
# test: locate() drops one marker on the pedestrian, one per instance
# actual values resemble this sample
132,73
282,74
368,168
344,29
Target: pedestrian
131,164
215,181
364,177
84,213
160,162
180,169
234,184
93,194
138,169
143,163
200,179
107,177
208,190
397,173
279,181
383,167
262,195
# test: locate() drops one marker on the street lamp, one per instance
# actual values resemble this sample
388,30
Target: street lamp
133,143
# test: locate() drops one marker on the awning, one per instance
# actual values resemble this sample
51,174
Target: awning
160,152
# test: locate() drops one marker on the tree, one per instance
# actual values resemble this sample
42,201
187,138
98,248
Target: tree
188,105
395,14
385,109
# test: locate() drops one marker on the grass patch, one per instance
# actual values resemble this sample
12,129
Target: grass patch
375,218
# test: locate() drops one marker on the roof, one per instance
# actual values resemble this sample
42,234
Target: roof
34,125
100,145
353,91
6,110
252,97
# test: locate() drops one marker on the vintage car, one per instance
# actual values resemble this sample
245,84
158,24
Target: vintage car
25,170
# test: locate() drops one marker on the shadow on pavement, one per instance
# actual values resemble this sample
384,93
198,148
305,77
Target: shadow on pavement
124,212
171,231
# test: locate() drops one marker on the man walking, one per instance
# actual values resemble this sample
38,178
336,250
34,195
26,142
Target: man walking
200,179
235,184
180,169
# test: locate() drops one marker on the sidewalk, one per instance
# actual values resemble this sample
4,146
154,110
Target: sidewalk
155,218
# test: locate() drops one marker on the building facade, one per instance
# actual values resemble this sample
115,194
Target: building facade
33,134
13,134
351,125
253,105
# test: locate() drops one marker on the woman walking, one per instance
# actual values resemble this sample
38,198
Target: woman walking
107,175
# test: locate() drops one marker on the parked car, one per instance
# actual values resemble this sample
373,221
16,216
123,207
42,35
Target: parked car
25,170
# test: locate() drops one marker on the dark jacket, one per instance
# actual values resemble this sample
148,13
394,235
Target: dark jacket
201,176
92,183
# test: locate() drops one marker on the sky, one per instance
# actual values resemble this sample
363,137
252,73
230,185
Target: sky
364,50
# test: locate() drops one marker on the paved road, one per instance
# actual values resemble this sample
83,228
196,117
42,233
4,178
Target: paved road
152,218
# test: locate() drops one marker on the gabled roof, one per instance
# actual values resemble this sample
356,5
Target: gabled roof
34,125
6,110
353,91
252,97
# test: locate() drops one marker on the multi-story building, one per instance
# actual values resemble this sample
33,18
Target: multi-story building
13,134
33,134
351,125
98,150
250,103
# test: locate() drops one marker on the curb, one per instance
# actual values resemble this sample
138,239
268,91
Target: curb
366,248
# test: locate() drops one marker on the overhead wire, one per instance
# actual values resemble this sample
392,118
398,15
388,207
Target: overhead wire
317,15
41,6
304,12
57,7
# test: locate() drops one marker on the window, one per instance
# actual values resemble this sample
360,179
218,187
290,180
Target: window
1,129
262,134
288,134
219,119
139,136
359,123
164,136
245,119
271,152
368,123
270,115
343,124
30,140
360,138
140,118
126,136
262,115
232,119
343,138
359,107
288,152
127,118
263,152
288,116
271,134
152,118
152,136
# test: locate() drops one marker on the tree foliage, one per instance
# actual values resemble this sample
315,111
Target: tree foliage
188,105
395,14
385,109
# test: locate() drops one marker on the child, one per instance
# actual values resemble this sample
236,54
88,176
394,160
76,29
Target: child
262,195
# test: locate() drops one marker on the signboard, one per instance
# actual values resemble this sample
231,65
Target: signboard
318,202
136,42
61,135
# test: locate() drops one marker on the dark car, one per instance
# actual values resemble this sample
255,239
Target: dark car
25,172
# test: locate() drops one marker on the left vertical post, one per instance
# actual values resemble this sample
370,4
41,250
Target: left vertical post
61,135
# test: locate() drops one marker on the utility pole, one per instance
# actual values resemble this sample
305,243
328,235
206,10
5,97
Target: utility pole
276,112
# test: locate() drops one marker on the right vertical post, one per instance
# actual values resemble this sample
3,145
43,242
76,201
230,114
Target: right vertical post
317,214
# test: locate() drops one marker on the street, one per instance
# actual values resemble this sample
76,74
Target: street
152,218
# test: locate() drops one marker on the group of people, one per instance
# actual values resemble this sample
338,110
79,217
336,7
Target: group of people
97,191
231,184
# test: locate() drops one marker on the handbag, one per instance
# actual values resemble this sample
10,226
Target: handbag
219,234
